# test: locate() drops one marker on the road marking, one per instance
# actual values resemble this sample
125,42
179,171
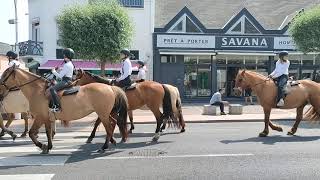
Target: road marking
175,156
33,161
27,177
19,149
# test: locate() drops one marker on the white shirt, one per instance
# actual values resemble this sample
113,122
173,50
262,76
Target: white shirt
14,62
142,73
215,98
281,68
126,69
67,71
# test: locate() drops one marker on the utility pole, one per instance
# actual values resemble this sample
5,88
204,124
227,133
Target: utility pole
16,23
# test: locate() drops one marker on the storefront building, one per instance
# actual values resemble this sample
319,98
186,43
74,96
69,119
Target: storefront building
199,61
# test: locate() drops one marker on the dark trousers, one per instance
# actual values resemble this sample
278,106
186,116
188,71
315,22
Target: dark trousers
282,82
54,89
124,83
141,80
219,104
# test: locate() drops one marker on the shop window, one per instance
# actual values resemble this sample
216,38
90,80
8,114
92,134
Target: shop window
250,59
168,59
317,59
295,59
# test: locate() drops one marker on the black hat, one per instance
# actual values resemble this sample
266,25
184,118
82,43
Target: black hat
141,63
12,55
126,52
283,53
68,52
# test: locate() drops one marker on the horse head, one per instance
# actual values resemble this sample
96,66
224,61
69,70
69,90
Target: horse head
8,76
241,80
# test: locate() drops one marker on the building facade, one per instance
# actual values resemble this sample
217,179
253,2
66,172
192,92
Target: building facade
199,60
43,30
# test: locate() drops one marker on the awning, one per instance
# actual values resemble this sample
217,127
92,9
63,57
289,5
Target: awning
86,65
247,53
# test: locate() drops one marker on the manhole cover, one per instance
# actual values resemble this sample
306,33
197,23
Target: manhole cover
147,152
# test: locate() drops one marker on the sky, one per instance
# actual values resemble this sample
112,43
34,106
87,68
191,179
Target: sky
7,31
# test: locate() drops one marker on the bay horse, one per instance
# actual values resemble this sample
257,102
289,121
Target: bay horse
149,93
298,97
95,97
13,101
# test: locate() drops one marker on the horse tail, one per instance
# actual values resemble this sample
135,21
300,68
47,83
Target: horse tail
312,114
121,107
167,106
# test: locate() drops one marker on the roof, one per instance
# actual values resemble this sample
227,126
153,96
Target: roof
214,14
85,65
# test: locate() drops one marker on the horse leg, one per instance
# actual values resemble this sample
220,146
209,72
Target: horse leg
159,117
25,117
108,127
10,119
298,120
275,127
46,148
4,129
265,132
93,133
131,121
181,119
34,131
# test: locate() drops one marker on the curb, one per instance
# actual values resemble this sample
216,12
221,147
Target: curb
222,121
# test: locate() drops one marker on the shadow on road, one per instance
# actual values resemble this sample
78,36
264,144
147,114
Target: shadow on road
274,139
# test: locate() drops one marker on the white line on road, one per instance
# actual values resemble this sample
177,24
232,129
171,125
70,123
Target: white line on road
27,177
20,149
175,156
33,161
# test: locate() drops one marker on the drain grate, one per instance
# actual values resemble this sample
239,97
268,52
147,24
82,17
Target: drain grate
147,152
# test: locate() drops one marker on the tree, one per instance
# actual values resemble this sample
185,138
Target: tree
97,30
305,30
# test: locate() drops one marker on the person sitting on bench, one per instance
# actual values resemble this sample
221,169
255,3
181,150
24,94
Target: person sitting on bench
217,101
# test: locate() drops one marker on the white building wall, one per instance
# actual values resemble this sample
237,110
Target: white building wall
47,11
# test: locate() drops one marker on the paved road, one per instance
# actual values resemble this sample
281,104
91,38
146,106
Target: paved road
205,151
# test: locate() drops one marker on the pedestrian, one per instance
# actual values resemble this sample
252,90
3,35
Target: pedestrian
216,100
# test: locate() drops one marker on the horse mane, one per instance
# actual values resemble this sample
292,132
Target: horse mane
98,78
255,73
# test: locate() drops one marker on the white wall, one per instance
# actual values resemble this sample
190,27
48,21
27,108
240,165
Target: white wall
142,18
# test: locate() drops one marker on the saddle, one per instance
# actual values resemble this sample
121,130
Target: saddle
130,88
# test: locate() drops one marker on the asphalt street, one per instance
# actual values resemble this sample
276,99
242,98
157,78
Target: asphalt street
204,151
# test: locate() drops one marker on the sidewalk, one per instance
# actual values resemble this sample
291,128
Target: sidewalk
193,114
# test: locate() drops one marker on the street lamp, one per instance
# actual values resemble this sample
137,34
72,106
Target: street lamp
15,21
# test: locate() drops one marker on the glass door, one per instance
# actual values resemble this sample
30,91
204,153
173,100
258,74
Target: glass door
204,80
221,78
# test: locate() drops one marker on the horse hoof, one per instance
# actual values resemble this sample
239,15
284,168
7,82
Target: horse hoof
24,135
2,134
89,140
130,131
156,137
101,151
14,136
45,149
290,133
182,131
263,134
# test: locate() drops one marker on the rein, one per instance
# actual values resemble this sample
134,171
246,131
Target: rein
264,81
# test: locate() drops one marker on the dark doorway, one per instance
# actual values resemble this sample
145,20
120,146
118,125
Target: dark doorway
231,76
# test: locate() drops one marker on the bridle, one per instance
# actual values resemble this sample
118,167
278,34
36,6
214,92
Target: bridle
3,81
264,81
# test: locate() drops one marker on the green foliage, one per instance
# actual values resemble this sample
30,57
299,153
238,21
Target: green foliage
97,30
305,30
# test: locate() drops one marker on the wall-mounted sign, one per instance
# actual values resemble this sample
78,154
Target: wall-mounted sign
284,43
244,42
186,41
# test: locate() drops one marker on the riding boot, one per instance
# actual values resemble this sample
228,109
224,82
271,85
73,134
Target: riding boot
55,99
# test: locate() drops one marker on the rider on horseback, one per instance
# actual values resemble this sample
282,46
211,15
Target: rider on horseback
12,56
126,70
280,74
142,72
66,78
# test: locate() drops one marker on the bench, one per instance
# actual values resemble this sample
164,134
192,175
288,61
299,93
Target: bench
235,109
211,110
